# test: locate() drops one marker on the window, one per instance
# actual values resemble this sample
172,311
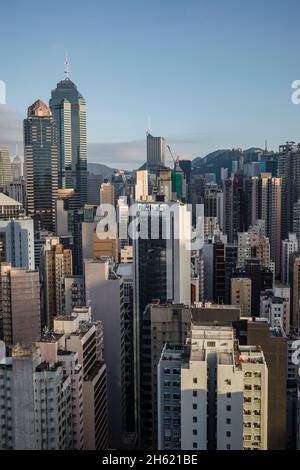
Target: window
194,406
195,419
228,447
228,421
228,395
195,432
228,434
195,445
228,408
195,393
195,380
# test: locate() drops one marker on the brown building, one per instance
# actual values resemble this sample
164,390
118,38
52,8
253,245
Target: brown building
57,263
275,351
20,292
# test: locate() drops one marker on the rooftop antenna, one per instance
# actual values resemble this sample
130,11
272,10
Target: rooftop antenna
149,124
67,63
266,145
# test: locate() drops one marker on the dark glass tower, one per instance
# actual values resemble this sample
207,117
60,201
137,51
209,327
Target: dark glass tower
69,111
40,154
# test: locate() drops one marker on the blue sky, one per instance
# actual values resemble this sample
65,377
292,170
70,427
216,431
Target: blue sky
209,73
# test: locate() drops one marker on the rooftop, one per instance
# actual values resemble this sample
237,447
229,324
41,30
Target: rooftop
8,201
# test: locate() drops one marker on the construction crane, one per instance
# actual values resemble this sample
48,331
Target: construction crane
171,153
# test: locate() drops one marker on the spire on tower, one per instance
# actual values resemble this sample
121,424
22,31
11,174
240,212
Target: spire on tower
67,63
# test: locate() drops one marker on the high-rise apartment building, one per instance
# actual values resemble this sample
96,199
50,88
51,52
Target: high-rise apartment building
241,295
69,112
52,347
85,337
289,171
161,324
20,305
105,296
156,149
214,395
40,154
288,247
294,280
56,264
36,405
17,242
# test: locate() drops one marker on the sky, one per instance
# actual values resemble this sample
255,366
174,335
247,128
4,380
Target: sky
206,74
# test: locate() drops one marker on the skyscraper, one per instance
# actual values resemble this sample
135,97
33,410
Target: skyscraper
155,153
16,168
40,152
5,167
69,111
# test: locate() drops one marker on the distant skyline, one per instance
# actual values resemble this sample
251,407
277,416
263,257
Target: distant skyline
207,74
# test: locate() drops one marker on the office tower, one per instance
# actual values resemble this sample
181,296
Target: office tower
241,295
85,337
69,112
288,247
164,186
155,153
105,295
93,189
74,293
294,280
16,168
289,171
162,263
107,193
56,264
17,190
9,207
208,267
35,406
5,167
161,324
123,221
274,345
276,309
17,241
141,185
219,272
231,257
233,200
40,154
20,295
52,348
211,196
67,225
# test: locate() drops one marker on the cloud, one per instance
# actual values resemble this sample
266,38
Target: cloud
10,128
